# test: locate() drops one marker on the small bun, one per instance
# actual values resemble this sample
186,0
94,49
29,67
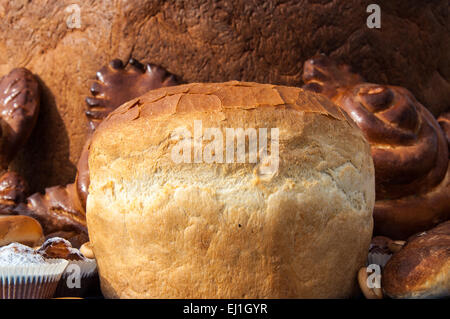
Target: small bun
421,269
20,229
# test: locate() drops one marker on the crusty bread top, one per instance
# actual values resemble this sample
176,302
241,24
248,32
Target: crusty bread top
216,97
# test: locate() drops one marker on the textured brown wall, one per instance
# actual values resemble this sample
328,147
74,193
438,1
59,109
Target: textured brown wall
264,41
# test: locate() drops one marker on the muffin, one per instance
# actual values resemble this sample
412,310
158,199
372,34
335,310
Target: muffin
80,273
26,274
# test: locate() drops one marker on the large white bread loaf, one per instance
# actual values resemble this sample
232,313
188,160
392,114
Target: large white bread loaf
161,228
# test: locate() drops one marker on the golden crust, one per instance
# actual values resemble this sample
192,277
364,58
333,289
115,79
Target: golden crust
217,97
196,230
422,268
21,229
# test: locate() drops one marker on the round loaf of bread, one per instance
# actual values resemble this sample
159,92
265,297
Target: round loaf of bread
176,211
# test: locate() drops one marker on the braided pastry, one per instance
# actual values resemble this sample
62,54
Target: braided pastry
408,146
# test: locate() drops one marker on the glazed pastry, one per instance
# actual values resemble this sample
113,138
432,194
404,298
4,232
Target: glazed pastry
57,247
12,192
422,268
117,83
59,209
408,146
76,238
19,107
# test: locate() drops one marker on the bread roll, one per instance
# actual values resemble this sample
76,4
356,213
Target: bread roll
162,229
409,148
422,268
20,229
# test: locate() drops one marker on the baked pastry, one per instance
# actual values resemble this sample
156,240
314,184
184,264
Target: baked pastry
59,209
230,230
422,268
212,42
59,248
13,190
79,268
75,238
19,108
25,274
20,229
118,83
409,149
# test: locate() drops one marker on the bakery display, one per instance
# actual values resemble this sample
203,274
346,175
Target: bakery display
26,274
162,172
20,229
200,230
209,41
408,146
422,268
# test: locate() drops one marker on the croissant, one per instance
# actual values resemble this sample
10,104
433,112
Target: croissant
409,149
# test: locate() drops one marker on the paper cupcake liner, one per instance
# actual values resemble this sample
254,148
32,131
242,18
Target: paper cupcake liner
31,281
378,259
87,270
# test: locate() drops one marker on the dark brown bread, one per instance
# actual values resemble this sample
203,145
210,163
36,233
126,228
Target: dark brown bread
409,149
210,41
